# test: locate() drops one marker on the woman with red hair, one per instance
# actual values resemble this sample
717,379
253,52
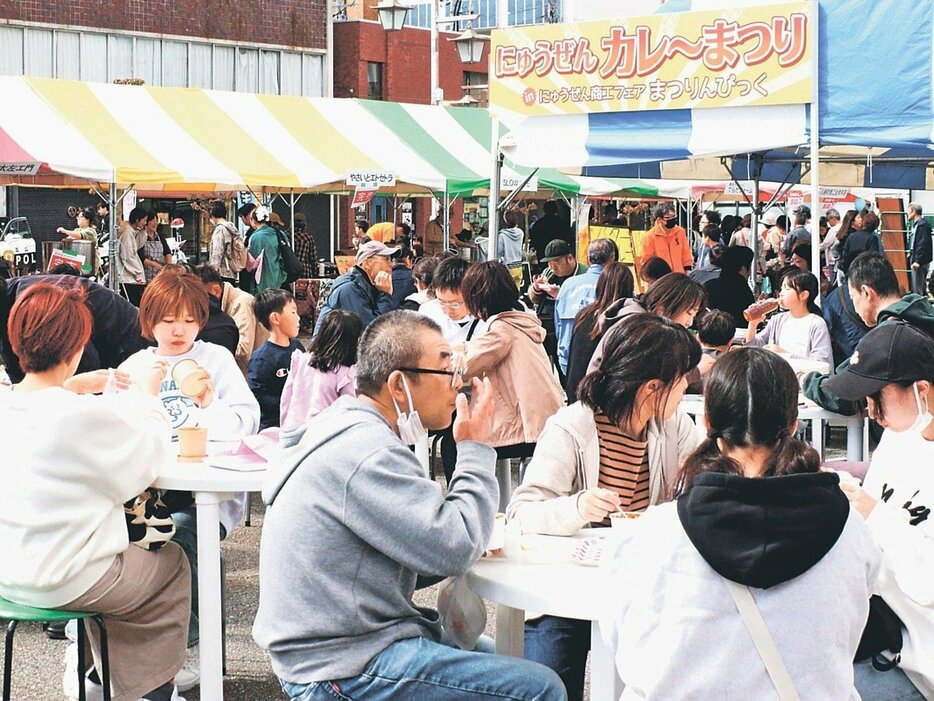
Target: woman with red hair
78,458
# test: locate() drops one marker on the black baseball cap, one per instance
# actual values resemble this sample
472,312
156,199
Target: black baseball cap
895,352
556,249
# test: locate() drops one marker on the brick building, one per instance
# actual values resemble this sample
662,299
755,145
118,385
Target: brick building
256,46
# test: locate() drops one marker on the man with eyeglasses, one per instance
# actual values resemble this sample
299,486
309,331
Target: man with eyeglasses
447,309
667,240
353,527
365,289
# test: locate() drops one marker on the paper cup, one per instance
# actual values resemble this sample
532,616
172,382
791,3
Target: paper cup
192,444
182,368
624,519
194,383
498,536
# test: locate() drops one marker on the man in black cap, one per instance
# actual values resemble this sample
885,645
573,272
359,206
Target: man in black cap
562,264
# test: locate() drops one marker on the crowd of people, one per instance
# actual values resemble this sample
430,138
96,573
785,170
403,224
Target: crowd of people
581,377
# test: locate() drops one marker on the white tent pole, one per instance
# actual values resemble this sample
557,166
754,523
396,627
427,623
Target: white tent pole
493,204
333,236
815,148
292,215
447,218
112,241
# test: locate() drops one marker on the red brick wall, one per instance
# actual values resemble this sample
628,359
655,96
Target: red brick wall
298,23
405,56
406,59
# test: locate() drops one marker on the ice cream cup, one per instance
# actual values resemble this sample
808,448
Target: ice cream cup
624,519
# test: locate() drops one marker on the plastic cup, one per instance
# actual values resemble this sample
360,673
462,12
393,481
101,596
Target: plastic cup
498,535
192,444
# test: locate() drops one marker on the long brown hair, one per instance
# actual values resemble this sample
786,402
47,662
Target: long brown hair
846,225
615,283
750,399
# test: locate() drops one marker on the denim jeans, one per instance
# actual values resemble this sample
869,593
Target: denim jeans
186,535
874,685
417,669
919,279
560,644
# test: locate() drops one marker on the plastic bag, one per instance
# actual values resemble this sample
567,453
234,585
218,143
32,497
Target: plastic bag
463,614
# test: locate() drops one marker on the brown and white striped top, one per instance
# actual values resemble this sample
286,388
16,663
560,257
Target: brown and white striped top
624,465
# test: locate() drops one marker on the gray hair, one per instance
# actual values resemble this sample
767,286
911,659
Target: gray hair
602,251
832,214
915,207
801,218
387,344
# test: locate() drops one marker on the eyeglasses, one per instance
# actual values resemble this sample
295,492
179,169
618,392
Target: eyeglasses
450,305
456,375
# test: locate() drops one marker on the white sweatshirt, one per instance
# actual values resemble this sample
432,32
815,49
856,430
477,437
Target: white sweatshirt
901,476
232,415
70,462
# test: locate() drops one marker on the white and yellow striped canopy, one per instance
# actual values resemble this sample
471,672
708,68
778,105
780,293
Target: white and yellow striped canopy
189,140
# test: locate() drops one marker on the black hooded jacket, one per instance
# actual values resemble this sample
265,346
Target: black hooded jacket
763,531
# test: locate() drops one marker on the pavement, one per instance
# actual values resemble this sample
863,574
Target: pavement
38,663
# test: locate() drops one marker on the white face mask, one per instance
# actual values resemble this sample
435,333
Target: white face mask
924,415
410,426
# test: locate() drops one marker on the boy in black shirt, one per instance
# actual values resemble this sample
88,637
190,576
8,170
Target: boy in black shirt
269,366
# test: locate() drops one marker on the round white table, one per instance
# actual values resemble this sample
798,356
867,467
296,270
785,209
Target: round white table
556,588
211,486
693,404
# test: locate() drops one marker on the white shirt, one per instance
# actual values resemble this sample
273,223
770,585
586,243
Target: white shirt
901,477
795,335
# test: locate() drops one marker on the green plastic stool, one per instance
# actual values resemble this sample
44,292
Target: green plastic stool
17,613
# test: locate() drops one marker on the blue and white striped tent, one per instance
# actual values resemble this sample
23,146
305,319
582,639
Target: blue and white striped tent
876,88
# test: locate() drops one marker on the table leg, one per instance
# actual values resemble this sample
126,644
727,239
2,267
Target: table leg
510,631
604,681
209,595
504,478
817,436
854,439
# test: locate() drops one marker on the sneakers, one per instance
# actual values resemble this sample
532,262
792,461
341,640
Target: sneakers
92,690
190,675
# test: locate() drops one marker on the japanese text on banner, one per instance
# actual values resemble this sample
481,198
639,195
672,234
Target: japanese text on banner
746,56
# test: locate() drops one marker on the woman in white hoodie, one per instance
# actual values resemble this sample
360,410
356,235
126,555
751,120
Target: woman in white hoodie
75,460
172,312
619,447
754,518
893,369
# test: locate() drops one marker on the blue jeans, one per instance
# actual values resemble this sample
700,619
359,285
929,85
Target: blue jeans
418,668
560,644
186,535
874,685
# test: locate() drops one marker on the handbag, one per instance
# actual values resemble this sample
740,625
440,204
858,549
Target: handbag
768,652
149,521
288,261
883,632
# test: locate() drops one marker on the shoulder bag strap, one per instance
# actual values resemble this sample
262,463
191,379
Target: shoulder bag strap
770,655
846,310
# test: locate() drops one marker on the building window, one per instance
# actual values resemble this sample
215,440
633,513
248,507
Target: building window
374,80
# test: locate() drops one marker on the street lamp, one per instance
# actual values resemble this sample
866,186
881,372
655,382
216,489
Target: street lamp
392,14
470,45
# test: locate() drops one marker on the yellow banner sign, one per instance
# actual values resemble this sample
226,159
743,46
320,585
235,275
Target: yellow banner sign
713,58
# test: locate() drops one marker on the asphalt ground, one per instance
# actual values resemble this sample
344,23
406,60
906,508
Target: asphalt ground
38,663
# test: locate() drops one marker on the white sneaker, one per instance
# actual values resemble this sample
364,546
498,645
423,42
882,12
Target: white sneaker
92,691
190,675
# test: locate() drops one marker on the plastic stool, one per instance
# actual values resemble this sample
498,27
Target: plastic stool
17,613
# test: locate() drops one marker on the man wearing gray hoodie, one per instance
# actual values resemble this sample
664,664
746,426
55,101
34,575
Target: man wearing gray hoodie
509,240
353,527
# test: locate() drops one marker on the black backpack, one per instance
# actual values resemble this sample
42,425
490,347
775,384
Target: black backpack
288,261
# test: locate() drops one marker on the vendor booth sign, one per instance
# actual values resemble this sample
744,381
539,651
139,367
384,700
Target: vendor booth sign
712,58
371,179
